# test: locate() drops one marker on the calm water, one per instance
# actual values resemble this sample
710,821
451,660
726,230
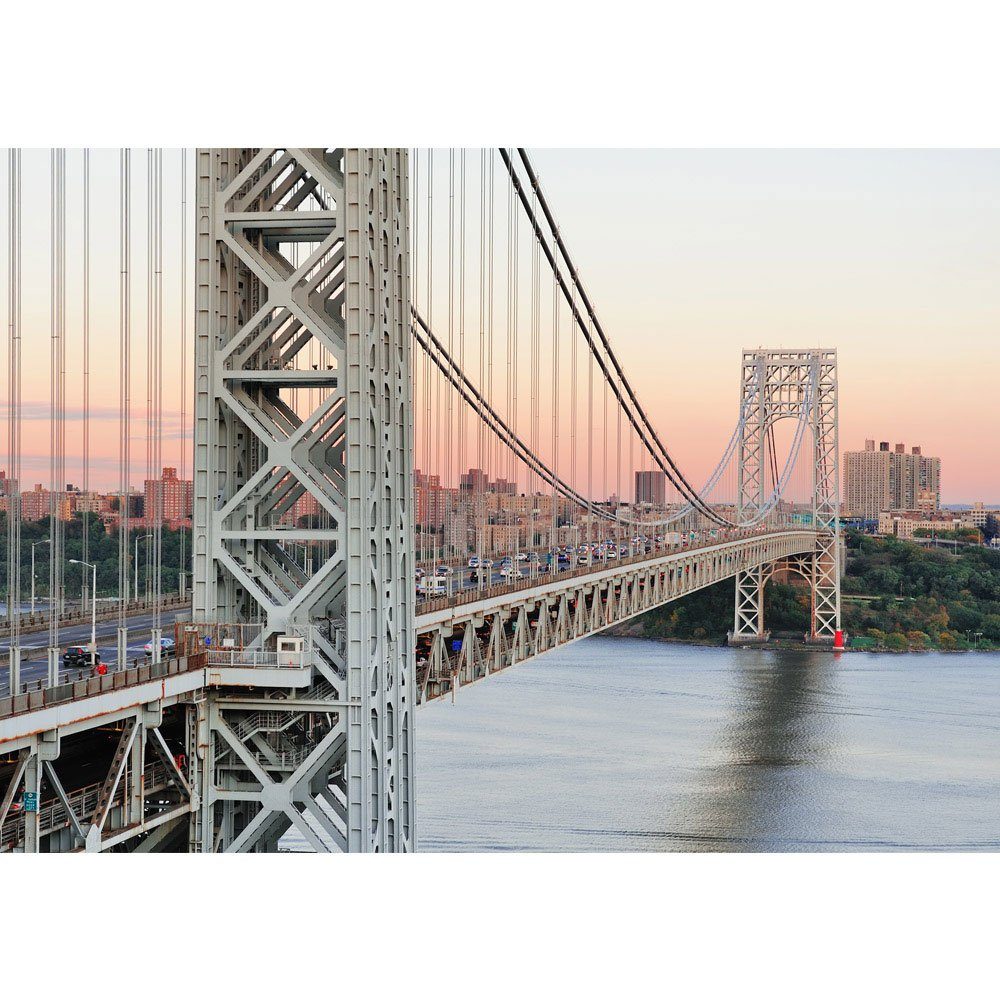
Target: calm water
634,745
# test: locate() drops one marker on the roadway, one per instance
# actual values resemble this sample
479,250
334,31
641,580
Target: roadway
34,646
34,663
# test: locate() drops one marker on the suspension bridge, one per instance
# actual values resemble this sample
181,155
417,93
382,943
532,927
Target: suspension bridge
413,449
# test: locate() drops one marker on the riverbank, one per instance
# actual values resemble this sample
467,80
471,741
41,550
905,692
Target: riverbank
897,597
782,643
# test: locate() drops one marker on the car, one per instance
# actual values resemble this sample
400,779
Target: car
76,656
443,570
420,573
474,562
510,573
487,564
166,646
522,556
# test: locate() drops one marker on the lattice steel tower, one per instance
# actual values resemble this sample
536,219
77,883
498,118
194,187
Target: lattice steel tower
776,385
303,486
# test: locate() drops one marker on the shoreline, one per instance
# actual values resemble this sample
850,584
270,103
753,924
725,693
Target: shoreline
784,644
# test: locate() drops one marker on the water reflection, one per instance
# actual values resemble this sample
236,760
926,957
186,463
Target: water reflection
632,745
778,733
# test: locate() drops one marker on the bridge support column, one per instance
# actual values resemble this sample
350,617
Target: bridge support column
32,787
749,620
14,670
303,489
778,384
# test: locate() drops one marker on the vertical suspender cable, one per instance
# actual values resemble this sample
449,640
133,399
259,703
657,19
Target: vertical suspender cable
86,378
590,454
479,487
554,538
57,425
536,334
491,464
124,400
183,326
448,454
461,334
415,293
14,422
149,513
430,506
515,233
156,366
449,457
573,391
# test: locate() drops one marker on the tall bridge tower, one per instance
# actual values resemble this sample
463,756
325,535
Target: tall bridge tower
303,532
777,385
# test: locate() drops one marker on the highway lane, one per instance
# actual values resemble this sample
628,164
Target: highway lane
35,645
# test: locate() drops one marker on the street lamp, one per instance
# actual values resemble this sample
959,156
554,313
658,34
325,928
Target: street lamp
44,541
135,576
93,616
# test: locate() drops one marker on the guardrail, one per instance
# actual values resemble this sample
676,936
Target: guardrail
475,593
85,687
39,621
253,658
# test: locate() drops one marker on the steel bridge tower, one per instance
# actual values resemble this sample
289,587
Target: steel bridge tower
303,534
796,384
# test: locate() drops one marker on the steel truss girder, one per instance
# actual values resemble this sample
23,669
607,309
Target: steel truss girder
792,383
260,450
136,796
488,636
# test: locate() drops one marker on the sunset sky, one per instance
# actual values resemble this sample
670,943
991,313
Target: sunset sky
892,257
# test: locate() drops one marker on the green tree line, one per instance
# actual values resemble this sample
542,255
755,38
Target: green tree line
896,595
103,550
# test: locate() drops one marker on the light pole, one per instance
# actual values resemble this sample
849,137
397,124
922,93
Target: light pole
135,575
93,614
44,541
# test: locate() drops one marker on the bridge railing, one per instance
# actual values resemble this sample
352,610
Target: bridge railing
254,658
39,621
85,687
191,657
474,592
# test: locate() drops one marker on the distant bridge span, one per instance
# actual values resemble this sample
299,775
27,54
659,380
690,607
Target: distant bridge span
472,635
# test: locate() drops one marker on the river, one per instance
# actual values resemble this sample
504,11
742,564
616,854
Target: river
634,745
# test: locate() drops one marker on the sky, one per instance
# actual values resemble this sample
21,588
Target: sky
892,257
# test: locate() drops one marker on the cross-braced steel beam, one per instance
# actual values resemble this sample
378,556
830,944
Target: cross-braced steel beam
303,487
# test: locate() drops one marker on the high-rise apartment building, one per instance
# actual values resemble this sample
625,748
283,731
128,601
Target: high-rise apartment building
168,497
884,480
651,488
